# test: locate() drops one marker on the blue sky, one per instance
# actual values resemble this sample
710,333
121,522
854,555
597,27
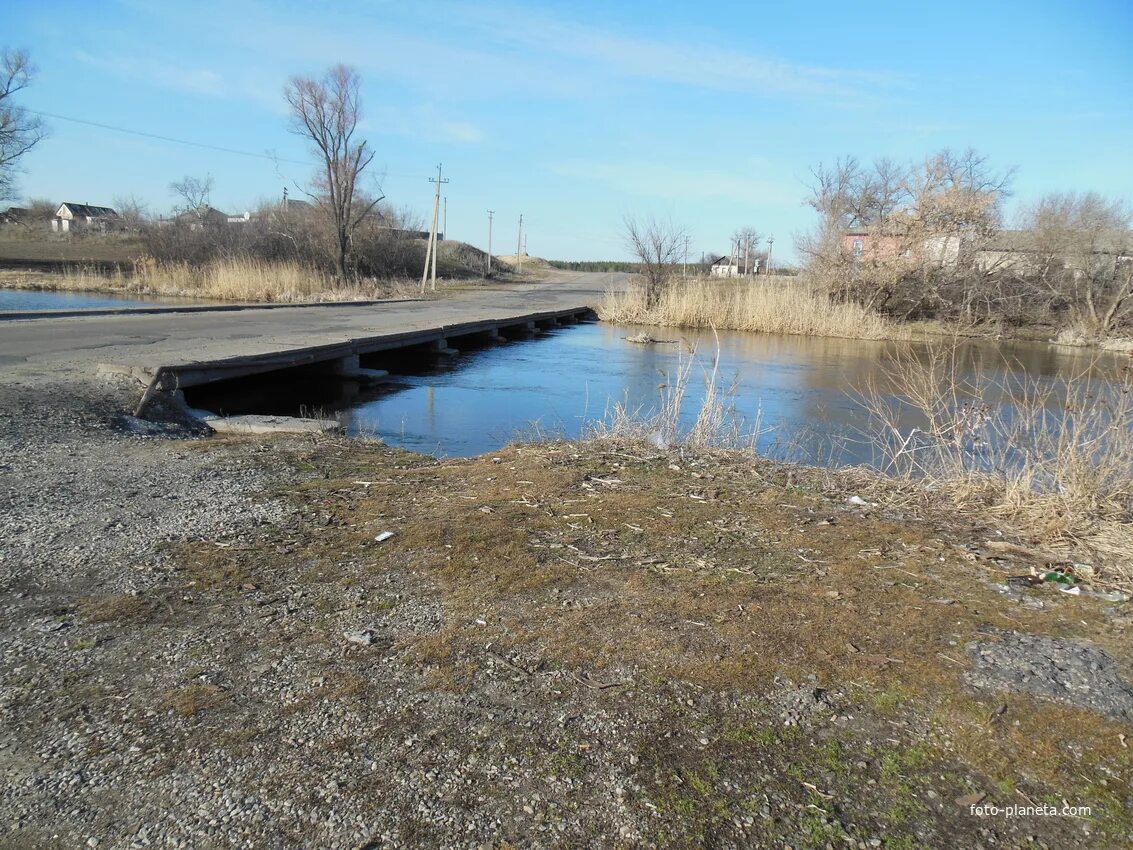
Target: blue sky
576,114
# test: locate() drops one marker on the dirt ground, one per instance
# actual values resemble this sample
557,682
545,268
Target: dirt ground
560,645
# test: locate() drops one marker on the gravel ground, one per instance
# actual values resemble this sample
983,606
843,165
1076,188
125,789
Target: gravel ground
1069,671
188,662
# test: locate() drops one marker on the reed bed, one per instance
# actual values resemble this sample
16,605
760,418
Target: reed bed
749,305
233,279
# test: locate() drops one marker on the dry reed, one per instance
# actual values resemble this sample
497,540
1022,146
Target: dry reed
749,305
716,425
233,279
1053,459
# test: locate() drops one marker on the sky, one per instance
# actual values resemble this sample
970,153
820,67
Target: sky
578,114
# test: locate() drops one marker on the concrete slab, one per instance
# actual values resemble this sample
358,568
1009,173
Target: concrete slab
256,424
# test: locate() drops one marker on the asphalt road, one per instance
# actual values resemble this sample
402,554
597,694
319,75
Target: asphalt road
53,348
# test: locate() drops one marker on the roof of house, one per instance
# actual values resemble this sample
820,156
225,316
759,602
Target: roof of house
87,210
1024,241
719,260
203,214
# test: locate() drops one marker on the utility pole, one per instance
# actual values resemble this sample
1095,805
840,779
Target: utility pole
684,264
490,214
444,230
770,242
747,254
519,244
431,251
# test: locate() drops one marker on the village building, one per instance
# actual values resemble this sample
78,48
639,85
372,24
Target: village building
77,217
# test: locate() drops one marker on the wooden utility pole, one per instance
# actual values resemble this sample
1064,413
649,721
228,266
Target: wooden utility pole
431,251
490,214
519,244
444,229
747,254
770,242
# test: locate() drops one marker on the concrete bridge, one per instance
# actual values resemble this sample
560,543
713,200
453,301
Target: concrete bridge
187,346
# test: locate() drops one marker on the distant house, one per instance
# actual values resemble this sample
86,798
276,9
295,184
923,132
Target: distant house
868,244
1023,251
71,216
202,217
15,215
725,267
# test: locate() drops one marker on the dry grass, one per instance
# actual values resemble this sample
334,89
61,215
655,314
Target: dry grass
236,279
1052,458
716,425
1080,338
766,307
191,700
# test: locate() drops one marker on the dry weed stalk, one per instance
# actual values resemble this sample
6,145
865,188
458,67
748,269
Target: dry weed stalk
718,425
1053,458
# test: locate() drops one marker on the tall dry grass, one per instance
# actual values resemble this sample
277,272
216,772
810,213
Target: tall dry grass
749,305
716,425
233,279
1052,458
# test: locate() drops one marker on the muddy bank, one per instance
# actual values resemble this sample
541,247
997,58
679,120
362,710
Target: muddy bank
205,644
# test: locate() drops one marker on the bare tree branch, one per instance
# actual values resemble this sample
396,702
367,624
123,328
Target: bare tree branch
326,112
20,131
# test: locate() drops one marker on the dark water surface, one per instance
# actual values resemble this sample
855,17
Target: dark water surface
802,391
37,299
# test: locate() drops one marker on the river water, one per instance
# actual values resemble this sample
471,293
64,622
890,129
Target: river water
802,394
39,299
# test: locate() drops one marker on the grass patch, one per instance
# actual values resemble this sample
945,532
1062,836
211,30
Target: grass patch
191,700
119,608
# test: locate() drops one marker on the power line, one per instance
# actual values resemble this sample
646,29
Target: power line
175,141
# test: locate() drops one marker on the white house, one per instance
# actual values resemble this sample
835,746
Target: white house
734,266
71,216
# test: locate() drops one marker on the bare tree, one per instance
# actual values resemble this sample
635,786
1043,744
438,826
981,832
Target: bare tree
914,230
195,192
20,131
326,112
658,247
133,212
1081,258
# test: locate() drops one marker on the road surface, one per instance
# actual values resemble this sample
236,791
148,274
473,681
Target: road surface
54,348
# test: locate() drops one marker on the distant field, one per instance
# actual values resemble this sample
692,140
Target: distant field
47,252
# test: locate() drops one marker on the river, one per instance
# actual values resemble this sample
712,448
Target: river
803,395
13,300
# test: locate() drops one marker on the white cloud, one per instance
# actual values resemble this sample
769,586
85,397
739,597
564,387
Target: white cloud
178,77
705,63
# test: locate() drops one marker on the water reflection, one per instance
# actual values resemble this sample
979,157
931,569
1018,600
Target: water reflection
37,299
802,389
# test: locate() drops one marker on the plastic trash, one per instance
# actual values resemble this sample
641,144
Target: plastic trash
384,536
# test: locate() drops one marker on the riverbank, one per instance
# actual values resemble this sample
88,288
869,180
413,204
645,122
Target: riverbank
561,644
792,306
